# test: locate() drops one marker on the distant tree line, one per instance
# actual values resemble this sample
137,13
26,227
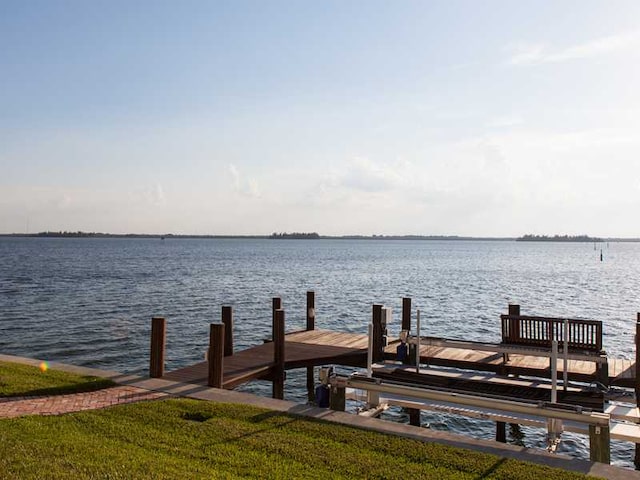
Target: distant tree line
557,238
65,233
295,235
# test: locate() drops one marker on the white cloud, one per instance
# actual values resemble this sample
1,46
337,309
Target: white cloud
537,54
248,187
505,121
365,175
155,195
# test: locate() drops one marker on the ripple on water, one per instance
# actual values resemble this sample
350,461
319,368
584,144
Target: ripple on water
89,301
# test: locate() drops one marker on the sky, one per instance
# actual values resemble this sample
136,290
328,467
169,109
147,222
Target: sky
473,118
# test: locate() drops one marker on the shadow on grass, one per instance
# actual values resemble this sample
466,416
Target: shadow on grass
490,471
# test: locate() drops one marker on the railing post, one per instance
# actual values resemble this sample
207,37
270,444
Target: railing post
501,432
158,342
311,325
278,355
227,320
216,355
406,314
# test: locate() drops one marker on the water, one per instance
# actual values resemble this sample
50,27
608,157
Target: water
89,301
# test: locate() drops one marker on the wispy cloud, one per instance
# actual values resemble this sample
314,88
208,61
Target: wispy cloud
368,176
540,53
155,195
246,186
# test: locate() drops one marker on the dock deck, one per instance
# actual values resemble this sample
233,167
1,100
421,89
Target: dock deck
324,347
302,349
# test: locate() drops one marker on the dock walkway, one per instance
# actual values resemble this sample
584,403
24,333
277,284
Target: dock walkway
325,347
302,349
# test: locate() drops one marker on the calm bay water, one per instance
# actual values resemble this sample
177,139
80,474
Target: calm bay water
89,301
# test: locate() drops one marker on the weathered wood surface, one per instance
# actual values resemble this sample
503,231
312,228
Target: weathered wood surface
621,371
322,347
302,349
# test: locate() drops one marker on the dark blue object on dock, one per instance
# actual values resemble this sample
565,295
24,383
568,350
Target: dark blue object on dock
322,396
401,352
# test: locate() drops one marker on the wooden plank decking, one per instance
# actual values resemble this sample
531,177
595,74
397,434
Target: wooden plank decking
302,349
323,347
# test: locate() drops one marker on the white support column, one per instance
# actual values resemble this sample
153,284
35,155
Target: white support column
554,371
418,341
565,370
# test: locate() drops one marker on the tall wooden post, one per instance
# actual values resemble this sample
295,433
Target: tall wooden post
378,333
311,310
276,304
227,320
637,378
514,325
406,313
414,416
599,443
501,432
337,398
216,355
637,385
311,325
278,355
158,342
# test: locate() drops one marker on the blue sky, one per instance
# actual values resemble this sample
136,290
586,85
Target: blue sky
453,117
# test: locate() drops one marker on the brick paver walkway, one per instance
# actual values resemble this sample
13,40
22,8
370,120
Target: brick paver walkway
58,404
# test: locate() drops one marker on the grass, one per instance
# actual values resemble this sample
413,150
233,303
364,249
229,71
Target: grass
195,439
24,380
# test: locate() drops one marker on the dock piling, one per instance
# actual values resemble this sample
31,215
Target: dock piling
414,417
337,398
311,325
378,334
276,304
311,310
406,314
637,385
600,444
158,343
514,331
216,355
227,320
501,432
278,354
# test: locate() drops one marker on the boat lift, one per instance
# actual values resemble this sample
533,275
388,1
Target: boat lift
617,421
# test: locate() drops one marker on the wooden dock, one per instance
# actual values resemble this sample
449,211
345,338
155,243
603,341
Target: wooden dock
327,347
302,349
524,351
518,368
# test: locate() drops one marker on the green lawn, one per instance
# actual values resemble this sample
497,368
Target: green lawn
21,380
195,439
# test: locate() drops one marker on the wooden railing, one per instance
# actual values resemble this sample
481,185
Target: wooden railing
541,331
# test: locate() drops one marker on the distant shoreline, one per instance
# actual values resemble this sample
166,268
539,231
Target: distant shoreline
564,239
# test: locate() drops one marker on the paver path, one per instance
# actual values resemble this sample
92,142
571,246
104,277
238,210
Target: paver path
58,404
